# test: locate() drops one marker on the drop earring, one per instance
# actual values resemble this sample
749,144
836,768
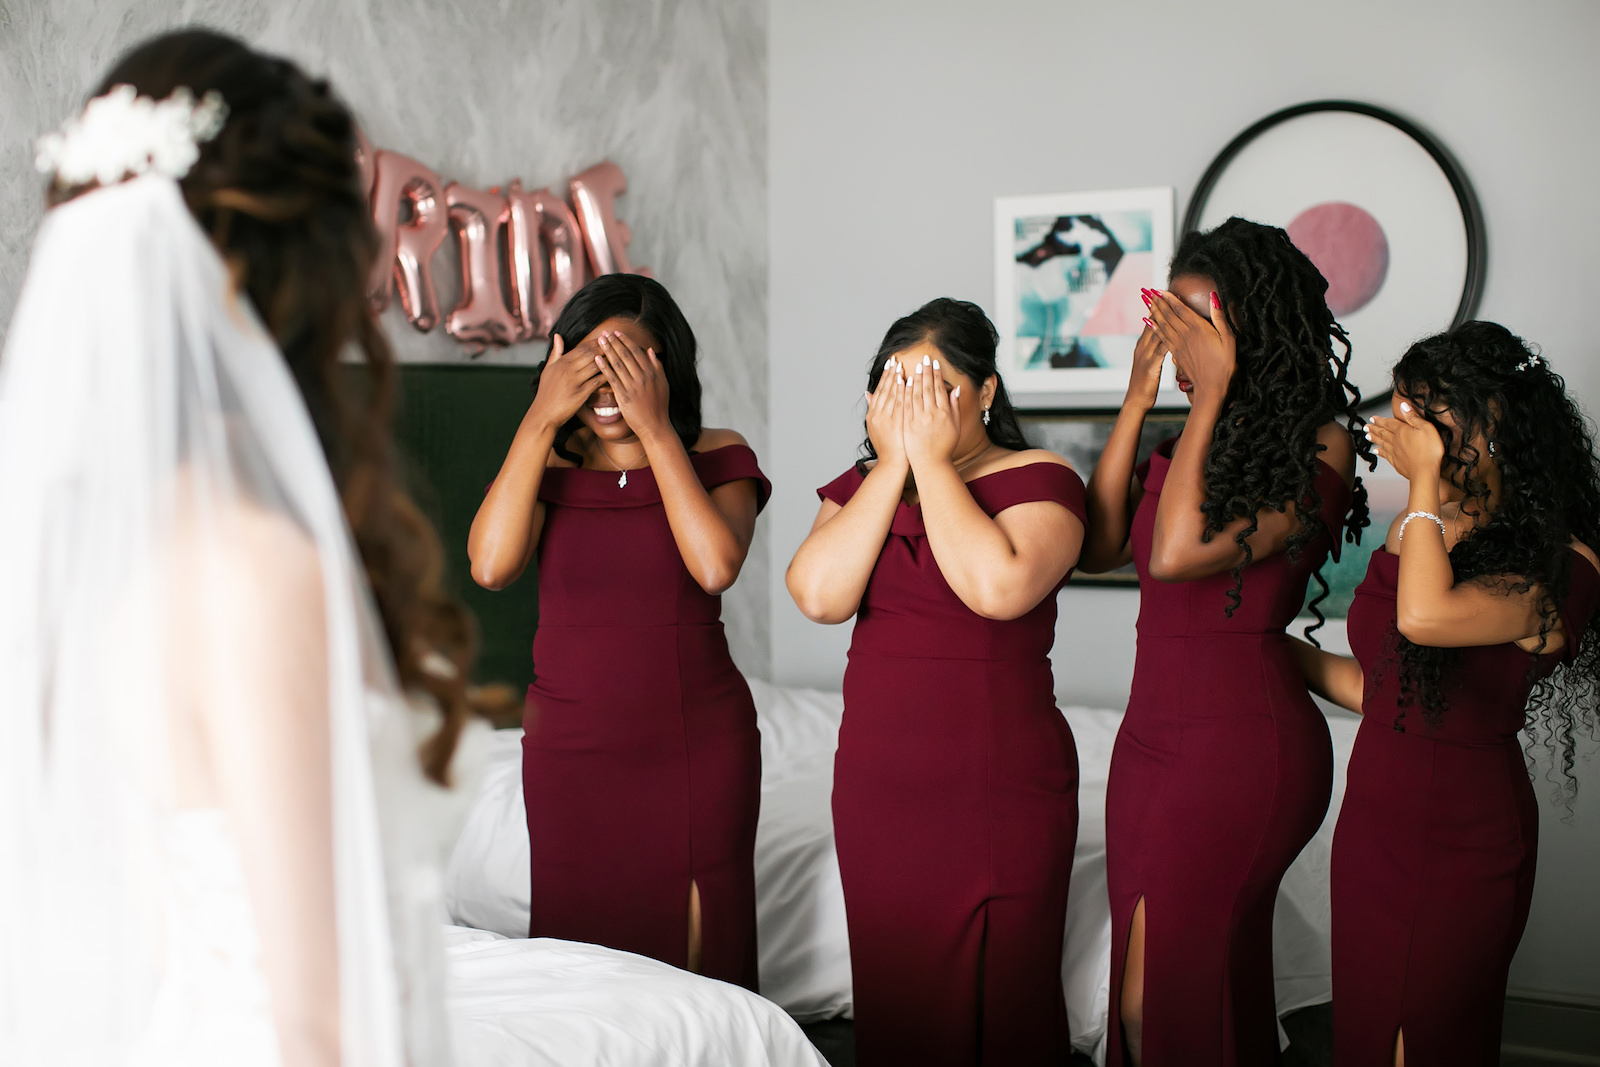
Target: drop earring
986,417
1491,448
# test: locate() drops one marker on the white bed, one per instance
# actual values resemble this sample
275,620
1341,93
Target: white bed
546,1003
805,960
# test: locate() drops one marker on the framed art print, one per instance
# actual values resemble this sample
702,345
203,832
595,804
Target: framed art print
1378,204
1067,275
1081,439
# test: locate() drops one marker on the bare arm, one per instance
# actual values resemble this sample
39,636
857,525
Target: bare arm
259,664
1431,607
505,531
830,571
711,529
1332,677
1114,492
999,567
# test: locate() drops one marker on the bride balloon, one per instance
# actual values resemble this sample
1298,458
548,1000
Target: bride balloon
214,821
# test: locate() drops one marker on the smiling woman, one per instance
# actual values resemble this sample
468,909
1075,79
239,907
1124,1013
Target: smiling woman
641,760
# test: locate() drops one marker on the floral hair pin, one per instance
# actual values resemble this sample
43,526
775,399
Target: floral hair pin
1531,361
123,133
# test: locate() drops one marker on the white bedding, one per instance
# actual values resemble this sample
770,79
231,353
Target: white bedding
546,1003
805,960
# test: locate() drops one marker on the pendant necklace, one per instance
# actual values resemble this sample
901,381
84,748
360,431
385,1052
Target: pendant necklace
622,482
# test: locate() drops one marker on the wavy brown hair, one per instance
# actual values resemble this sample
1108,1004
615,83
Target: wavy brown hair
279,193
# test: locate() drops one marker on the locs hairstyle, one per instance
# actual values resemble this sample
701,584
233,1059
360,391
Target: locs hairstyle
279,194
647,302
1489,380
967,340
1288,381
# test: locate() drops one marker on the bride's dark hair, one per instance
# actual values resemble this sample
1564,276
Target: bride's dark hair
279,193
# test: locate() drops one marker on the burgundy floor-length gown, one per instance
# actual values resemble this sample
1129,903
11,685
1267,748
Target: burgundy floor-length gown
1221,773
641,764
1433,858
955,807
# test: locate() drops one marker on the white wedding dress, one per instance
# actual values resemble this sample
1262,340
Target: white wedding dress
213,1001
213,1005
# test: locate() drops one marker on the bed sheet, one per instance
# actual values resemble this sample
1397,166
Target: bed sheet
546,1003
804,947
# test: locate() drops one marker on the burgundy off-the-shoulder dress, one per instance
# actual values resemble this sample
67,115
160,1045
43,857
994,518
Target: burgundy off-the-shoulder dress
955,807
1433,858
641,763
1221,773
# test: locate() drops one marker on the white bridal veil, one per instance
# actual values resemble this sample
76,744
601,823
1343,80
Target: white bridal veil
163,503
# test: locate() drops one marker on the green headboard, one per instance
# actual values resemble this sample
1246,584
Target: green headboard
454,424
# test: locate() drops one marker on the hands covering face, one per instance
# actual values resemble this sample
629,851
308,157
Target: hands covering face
565,384
1410,443
1203,352
638,382
912,416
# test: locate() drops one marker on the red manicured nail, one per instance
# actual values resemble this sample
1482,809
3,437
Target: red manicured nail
1145,296
1150,324
1215,302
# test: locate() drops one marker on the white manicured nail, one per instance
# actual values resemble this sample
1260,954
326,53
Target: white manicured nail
1404,406
935,364
955,393
926,359
919,368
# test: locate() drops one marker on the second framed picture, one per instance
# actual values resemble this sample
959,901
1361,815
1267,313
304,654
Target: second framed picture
1068,270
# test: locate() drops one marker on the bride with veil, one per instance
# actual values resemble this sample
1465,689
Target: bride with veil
206,707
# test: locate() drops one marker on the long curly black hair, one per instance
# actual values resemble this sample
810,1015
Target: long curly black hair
1494,385
968,340
1288,381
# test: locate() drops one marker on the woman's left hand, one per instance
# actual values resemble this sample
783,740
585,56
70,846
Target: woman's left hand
638,381
1410,443
1202,351
932,418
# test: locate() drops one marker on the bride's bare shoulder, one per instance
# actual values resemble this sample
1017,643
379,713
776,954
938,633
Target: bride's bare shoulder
240,561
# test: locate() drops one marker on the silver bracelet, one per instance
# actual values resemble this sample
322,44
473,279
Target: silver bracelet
1401,536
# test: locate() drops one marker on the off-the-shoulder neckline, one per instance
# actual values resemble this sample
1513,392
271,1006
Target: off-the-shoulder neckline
639,470
991,474
1329,467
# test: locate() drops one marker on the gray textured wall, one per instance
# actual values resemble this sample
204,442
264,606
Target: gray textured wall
673,91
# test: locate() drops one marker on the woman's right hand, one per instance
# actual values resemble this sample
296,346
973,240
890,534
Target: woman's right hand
886,411
564,385
1144,382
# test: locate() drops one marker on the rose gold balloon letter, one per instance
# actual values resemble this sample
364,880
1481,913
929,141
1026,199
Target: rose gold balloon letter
411,219
546,247
594,194
479,219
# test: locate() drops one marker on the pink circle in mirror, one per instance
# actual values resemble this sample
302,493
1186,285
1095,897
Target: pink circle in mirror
1348,247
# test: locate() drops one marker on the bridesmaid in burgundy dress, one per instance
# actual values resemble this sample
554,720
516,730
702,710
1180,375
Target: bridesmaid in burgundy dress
1474,614
955,785
1223,766
641,761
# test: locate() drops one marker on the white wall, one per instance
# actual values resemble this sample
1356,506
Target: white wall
894,123
674,91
